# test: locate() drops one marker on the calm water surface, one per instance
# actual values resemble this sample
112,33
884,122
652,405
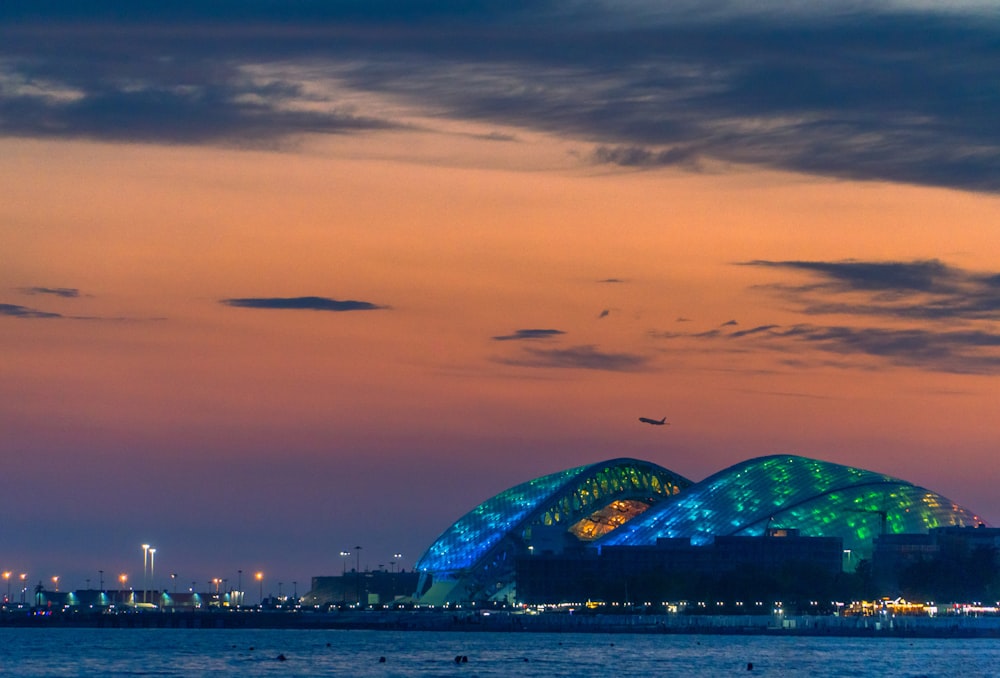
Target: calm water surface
217,652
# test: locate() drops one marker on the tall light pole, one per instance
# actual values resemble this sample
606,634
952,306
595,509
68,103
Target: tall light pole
24,586
260,582
344,555
239,585
152,577
145,558
123,578
396,557
55,580
6,575
357,576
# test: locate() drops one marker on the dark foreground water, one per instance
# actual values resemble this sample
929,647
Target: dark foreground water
220,652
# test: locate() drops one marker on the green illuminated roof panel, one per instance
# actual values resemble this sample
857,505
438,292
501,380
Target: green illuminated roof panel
815,497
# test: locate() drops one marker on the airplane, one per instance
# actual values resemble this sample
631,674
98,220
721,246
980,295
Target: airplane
654,422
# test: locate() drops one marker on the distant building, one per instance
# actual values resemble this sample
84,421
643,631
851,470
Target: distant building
627,503
675,568
953,563
371,588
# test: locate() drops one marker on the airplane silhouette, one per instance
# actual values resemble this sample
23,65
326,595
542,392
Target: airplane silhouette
654,422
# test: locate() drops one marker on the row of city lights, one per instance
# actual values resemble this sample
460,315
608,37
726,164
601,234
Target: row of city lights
148,575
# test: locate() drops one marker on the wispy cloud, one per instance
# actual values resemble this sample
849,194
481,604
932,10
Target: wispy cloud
66,292
949,316
586,357
302,303
904,92
917,290
529,334
24,312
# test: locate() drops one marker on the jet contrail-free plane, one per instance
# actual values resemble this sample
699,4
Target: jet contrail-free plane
654,422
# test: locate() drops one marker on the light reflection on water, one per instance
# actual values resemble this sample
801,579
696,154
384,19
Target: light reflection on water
245,652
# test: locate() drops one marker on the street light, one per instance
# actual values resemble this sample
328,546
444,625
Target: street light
24,585
55,580
123,578
6,575
344,555
260,582
357,576
145,557
152,577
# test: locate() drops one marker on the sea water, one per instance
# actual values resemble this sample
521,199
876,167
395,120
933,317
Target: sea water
259,652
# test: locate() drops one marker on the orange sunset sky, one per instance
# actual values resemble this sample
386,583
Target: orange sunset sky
780,255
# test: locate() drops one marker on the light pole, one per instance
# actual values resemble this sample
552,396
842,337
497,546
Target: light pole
174,577
145,558
152,577
24,586
55,580
6,575
396,557
101,573
357,576
239,586
123,578
344,555
260,582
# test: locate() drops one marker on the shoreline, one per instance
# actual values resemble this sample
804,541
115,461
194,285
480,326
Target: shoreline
445,621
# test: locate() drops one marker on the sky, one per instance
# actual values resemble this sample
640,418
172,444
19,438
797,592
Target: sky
280,279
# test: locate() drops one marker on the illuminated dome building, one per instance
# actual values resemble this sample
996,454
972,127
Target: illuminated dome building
817,498
474,558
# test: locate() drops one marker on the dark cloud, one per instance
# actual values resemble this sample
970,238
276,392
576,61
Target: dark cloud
729,323
303,303
898,93
611,280
635,156
963,352
579,357
519,335
917,290
899,276
752,331
25,312
952,316
67,292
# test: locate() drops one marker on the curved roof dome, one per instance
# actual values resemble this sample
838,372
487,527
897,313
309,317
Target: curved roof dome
815,497
579,504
